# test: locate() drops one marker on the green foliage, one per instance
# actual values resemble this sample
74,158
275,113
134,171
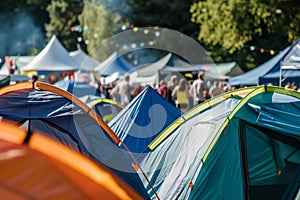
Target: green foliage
98,22
162,13
233,24
63,14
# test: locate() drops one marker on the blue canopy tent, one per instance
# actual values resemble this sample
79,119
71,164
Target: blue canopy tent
251,78
60,115
114,63
143,119
282,67
288,68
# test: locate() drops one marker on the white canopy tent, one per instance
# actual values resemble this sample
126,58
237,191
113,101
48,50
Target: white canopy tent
54,57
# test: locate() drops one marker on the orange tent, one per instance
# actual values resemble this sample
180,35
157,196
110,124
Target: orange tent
42,168
42,107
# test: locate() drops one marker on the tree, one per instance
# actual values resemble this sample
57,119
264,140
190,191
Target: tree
22,25
230,27
99,22
162,13
63,14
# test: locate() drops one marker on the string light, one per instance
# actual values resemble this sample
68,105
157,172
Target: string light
261,49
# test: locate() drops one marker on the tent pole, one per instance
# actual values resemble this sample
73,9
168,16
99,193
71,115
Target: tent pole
280,75
136,163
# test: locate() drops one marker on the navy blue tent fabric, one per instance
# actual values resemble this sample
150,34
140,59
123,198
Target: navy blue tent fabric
65,121
79,89
251,78
143,119
286,75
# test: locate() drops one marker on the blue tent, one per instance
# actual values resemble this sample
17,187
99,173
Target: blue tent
143,119
79,89
60,115
114,63
287,60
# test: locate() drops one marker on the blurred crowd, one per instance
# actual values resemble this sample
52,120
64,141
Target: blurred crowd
178,90
182,93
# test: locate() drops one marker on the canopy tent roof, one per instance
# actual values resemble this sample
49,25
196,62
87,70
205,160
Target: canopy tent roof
36,166
78,89
85,61
170,60
269,72
114,63
223,69
290,65
143,119
251,78
42,107
173,64
54,57
239,144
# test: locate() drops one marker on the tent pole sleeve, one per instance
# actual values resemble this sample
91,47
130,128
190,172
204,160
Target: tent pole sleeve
280,75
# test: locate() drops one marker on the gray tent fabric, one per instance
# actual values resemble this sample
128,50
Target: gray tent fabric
170,167
54,57
173,64
170,62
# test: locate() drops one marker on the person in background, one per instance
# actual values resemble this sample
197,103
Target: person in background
162,90
199,89
216,89
170,87
181,94
101,88
137,90
125,90
191,97
114,92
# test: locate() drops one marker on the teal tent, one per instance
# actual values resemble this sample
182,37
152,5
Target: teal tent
240,145
143,119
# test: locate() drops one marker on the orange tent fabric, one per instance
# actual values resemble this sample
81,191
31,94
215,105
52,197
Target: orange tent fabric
45,169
